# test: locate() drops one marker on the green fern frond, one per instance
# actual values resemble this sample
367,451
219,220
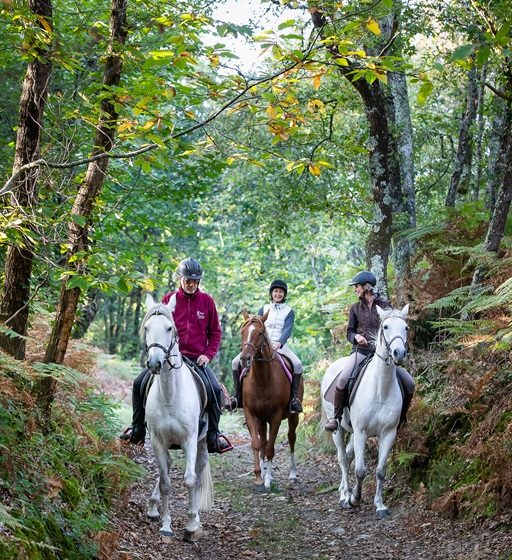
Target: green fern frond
64,374
10,333
420,232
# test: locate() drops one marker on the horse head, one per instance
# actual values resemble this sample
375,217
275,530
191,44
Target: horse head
393,333
158,334
254,338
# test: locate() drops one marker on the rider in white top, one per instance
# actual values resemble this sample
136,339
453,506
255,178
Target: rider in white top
279,325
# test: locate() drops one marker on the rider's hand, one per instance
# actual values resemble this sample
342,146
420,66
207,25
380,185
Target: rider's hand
276,345
203,360
361,340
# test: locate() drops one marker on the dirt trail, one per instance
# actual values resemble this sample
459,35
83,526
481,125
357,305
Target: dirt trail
299,521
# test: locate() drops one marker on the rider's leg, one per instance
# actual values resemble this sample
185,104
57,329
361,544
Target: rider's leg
340,392
236,399
217,442
295,404
408,385
137,433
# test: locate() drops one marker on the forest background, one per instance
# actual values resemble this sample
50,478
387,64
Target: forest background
365,135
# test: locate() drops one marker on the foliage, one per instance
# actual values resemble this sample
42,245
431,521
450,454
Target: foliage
73,475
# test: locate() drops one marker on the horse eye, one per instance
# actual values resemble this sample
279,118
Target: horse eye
385,327
169,329
406,328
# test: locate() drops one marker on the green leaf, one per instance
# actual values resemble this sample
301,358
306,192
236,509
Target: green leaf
79,220
77,282
425,90
483,55
502,34
462,52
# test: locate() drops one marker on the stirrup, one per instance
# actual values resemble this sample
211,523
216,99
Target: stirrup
330,428
295,403
214,447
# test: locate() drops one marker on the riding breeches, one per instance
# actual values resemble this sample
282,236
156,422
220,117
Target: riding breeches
284,351
214,405
349,364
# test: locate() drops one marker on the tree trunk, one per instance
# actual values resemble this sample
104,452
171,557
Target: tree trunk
384,169
87,314
14,306
496,141
404,201
463,157
85,199
480,121
496,228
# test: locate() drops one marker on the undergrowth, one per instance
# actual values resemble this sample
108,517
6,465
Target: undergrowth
57,490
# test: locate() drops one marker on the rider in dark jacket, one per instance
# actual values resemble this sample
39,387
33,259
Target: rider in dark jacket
363,325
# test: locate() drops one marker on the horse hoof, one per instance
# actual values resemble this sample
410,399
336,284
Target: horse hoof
347,506
259,488
153,518
383,513
192,536
165,533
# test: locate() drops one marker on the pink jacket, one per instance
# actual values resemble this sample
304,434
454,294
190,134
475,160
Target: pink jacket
197,322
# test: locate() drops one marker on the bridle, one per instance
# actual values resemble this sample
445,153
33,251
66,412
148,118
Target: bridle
258,351
387,343
167,351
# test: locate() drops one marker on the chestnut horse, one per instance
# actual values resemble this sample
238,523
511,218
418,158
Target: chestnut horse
266,396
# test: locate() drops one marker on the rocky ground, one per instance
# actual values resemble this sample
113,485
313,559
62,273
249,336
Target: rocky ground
294,521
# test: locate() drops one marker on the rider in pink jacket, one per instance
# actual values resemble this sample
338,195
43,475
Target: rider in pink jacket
199,334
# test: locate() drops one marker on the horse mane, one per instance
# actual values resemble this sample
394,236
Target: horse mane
253,319
158,309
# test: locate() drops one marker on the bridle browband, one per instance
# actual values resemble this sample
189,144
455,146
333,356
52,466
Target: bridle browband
168,350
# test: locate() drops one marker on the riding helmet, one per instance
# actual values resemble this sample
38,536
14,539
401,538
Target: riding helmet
278,284
364,277
190,269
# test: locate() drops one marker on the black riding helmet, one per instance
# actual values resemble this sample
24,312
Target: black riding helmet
278,284
190,269
364,277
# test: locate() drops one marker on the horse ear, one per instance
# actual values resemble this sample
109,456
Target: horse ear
171,304
380,311
245,314
150,302
264,317
405,310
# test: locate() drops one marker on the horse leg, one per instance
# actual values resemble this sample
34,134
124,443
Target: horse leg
270,450
252,426
338,438
293,421
152,511
164,464
360,467
191,482
386,442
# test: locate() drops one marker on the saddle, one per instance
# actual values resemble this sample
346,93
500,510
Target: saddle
286,365
203,386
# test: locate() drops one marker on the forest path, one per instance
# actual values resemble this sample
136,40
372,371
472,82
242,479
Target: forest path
299,521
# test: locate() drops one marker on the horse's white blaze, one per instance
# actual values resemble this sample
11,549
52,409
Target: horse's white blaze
375,409
173,409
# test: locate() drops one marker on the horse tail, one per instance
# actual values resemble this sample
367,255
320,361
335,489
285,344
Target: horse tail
206,494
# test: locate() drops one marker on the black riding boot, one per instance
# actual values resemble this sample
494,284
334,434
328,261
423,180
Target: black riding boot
216,442
405,407
236,399
295,404
339,404
136,434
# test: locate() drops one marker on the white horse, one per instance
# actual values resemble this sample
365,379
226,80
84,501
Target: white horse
173,412
374,410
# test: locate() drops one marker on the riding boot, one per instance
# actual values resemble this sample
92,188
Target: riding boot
136,433
295,404
405,407
215,440
236,399
339,404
